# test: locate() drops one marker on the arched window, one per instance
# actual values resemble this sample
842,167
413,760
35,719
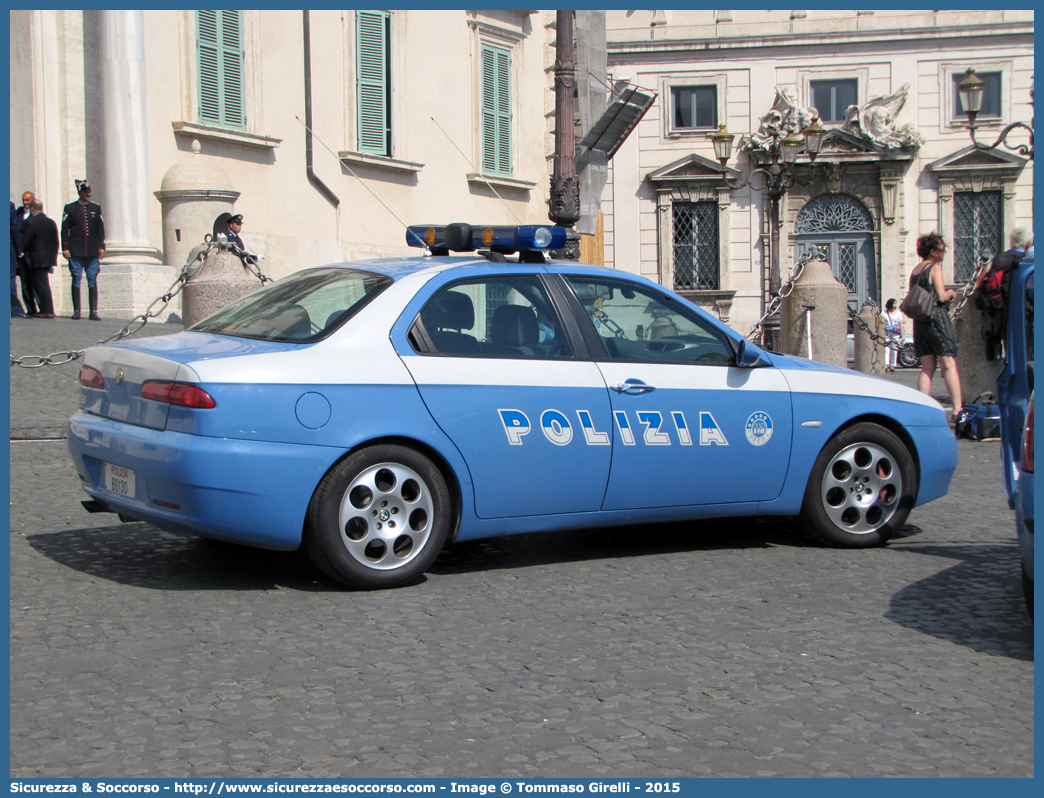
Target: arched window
834,213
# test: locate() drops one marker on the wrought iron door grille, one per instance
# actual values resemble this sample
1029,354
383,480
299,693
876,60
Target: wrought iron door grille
977,226
846,265
696,246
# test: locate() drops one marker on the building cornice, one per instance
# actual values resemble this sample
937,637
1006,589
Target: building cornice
708,38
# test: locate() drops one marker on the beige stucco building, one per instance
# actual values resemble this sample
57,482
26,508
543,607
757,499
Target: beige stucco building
670,215
426,116
175,116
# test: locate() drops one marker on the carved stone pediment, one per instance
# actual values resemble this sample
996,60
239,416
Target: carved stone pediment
843,147
977,159
692,167
841,141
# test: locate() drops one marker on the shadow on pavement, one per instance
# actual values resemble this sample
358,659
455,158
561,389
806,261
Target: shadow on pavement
601,543
976,603
139,554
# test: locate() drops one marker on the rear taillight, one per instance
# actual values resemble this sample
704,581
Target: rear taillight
1026,463
91,378
177,393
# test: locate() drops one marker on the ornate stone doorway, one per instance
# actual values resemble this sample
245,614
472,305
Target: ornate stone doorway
839,227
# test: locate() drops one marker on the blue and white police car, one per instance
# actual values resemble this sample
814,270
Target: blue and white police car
374,410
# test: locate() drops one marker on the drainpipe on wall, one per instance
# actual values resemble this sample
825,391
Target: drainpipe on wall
312,178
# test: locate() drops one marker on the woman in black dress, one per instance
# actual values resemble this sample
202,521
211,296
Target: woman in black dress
934,339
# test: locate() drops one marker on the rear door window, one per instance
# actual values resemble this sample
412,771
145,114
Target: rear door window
498,316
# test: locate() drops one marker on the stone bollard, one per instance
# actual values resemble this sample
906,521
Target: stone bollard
816,286
977,373
868,352
222,279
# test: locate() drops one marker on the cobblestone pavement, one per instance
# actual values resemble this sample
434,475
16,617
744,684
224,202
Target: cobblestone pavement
731,648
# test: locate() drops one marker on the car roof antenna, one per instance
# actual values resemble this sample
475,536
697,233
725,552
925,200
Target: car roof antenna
476,171
427,252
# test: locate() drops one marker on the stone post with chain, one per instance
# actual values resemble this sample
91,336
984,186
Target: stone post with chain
816,286
869,354
978,374
223,279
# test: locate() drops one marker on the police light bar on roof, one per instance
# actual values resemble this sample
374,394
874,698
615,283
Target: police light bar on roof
506,239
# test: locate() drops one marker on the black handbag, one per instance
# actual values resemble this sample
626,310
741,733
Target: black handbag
920,303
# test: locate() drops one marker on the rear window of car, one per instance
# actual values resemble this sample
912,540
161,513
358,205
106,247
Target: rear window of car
302,308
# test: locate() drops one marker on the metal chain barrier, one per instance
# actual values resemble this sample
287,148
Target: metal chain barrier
969,287
757,332
196,261
893,343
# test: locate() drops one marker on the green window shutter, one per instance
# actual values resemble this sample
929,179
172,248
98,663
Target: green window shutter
496,111
219,44
372,81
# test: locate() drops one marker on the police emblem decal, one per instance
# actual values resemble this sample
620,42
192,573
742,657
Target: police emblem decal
759,428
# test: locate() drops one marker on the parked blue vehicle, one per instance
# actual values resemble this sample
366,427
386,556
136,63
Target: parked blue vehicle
375,410
1015,396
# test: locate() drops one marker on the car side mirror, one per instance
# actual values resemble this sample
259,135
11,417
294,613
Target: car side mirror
749,357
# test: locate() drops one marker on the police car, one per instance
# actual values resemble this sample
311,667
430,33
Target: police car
374,410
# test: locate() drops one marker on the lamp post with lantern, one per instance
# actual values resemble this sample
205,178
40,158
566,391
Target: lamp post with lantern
971,91
778,178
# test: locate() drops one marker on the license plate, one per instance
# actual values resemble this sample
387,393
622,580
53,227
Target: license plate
119,480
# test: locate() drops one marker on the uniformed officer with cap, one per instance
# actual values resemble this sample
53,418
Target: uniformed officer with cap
235,226
83,245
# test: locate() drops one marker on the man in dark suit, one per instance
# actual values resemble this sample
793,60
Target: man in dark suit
17,311
23,213
40,244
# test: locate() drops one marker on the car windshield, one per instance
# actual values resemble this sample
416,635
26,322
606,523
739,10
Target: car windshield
301,308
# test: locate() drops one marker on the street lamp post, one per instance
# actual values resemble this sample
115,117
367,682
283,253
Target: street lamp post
972,90
778,176
564,203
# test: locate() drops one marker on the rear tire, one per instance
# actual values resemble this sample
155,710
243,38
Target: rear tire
861,488
379,518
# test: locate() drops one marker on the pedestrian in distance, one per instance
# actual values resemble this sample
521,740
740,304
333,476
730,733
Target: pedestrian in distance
1007,262
24,274
892,318
17,311
40,243
83,245
934,339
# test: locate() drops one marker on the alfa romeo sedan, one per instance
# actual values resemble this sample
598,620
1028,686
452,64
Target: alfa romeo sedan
373,411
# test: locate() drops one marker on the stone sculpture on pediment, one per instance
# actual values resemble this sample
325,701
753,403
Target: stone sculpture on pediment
785,116
876,121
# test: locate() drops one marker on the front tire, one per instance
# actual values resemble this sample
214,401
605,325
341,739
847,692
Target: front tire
861,489
907,357
379,518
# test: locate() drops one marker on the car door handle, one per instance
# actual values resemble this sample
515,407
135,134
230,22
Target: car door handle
632,387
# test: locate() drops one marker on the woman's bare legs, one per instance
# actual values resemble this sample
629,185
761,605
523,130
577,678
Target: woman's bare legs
924,379
952,381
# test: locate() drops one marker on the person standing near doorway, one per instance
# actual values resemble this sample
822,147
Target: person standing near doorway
83,245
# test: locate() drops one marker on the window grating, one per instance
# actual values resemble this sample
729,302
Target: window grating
977,227
696,246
